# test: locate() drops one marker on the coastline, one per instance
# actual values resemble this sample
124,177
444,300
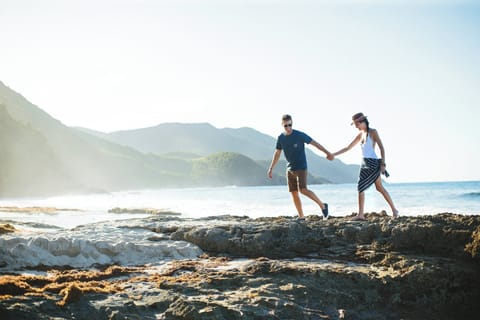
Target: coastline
412,199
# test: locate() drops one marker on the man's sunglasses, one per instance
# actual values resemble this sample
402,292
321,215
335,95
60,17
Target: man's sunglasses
287,125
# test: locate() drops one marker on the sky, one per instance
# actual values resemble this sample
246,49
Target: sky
413,67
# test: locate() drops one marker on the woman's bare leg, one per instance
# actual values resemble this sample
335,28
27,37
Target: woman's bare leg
386,195
361,205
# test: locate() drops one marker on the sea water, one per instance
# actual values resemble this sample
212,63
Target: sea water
91,235
267,201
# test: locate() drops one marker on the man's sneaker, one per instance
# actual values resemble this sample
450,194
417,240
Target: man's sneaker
300,219
325,211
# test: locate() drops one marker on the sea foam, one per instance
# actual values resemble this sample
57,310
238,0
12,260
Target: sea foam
89,245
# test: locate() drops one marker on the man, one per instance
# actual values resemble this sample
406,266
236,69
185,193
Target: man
292,142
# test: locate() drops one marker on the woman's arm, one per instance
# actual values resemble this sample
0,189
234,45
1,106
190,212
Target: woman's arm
350,146
376,137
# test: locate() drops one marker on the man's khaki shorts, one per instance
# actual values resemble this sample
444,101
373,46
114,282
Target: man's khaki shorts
297,180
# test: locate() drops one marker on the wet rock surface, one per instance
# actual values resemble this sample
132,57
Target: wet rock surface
424,267
6,228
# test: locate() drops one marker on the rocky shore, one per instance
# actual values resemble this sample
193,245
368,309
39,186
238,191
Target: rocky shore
424,267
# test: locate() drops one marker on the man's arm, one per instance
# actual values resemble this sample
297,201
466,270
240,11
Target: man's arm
321,148
276,156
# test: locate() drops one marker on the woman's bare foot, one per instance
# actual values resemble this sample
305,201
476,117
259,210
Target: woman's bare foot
359,217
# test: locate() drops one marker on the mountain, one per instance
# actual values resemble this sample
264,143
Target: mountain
43,156
204,139
223,168
198,138
28,161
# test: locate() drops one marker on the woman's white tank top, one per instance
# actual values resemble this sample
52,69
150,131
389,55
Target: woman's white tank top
367,148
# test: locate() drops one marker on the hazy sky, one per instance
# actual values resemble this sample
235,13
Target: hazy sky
412,66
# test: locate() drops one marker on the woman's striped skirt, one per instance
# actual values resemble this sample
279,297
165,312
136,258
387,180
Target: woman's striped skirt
369,173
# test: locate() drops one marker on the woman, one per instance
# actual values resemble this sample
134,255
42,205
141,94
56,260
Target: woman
372,166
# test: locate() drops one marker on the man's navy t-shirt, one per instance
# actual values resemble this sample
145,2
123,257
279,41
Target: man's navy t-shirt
293,147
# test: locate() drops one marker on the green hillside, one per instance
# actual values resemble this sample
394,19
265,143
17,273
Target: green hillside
228,168
82,162
204,139
28,164
41,156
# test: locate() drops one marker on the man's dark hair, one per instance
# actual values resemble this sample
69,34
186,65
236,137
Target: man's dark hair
286,117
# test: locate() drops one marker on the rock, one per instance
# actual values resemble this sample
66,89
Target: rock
444,235
72,293
6,228
424,267
152,211
48,210
474,247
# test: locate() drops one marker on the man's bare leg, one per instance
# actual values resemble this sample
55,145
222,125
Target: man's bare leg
309,193
298,203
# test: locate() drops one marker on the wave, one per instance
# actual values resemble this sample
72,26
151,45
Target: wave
36,225
471,195
89,246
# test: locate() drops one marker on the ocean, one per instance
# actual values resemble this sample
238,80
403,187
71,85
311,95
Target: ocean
91,235
410,198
